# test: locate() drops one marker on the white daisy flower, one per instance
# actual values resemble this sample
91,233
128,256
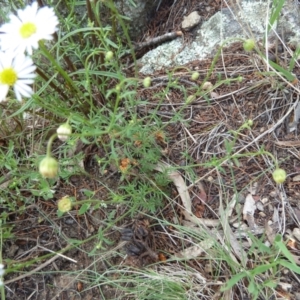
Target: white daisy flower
16,71
30,25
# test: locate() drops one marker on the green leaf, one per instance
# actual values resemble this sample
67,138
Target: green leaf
252,288
231,282
288,75
262,269
84,207
282,247
228,146
290,266
270,283
59,213
236,161
276,12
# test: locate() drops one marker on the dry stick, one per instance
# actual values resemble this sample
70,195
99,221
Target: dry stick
46,263
159,40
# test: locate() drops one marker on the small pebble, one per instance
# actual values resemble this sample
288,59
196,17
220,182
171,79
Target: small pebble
191,20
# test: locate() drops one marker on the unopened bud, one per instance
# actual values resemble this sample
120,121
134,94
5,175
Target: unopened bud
64,131
195,75
109,55
249,45
64,204
48,167
147,82
279,175
250,122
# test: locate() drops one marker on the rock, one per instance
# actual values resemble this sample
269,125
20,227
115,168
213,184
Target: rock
138,14
192,20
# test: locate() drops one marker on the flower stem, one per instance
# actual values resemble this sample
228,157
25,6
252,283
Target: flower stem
64,74
52,138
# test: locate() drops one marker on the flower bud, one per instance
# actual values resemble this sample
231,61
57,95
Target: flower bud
279,175
195,76
207,85
118,87
64,204
249,45
48,167
147,82
250,122
63,131
190,98
109,55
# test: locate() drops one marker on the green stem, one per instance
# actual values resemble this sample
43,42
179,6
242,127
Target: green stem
52,138
1,243
64,74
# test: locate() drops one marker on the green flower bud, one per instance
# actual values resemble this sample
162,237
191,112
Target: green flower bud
63,131
195,76
279,175
147,82
109,55
190,98
48,167
64,204
118,87
249,45
250,122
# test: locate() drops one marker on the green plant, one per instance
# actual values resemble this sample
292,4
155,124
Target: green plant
271,260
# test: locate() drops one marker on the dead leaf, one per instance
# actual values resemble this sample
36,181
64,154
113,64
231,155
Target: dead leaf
230,237
199,210
196,250
270,233
180,185
248,211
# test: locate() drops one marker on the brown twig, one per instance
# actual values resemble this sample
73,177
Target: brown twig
159,40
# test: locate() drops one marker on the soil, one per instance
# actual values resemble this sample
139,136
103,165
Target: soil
139,241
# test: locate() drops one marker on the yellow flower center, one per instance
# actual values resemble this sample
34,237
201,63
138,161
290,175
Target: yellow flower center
27,30
8,76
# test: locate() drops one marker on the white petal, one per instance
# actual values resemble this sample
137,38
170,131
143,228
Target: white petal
27,73
23,89
18,95
26,81
5,60
3,91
